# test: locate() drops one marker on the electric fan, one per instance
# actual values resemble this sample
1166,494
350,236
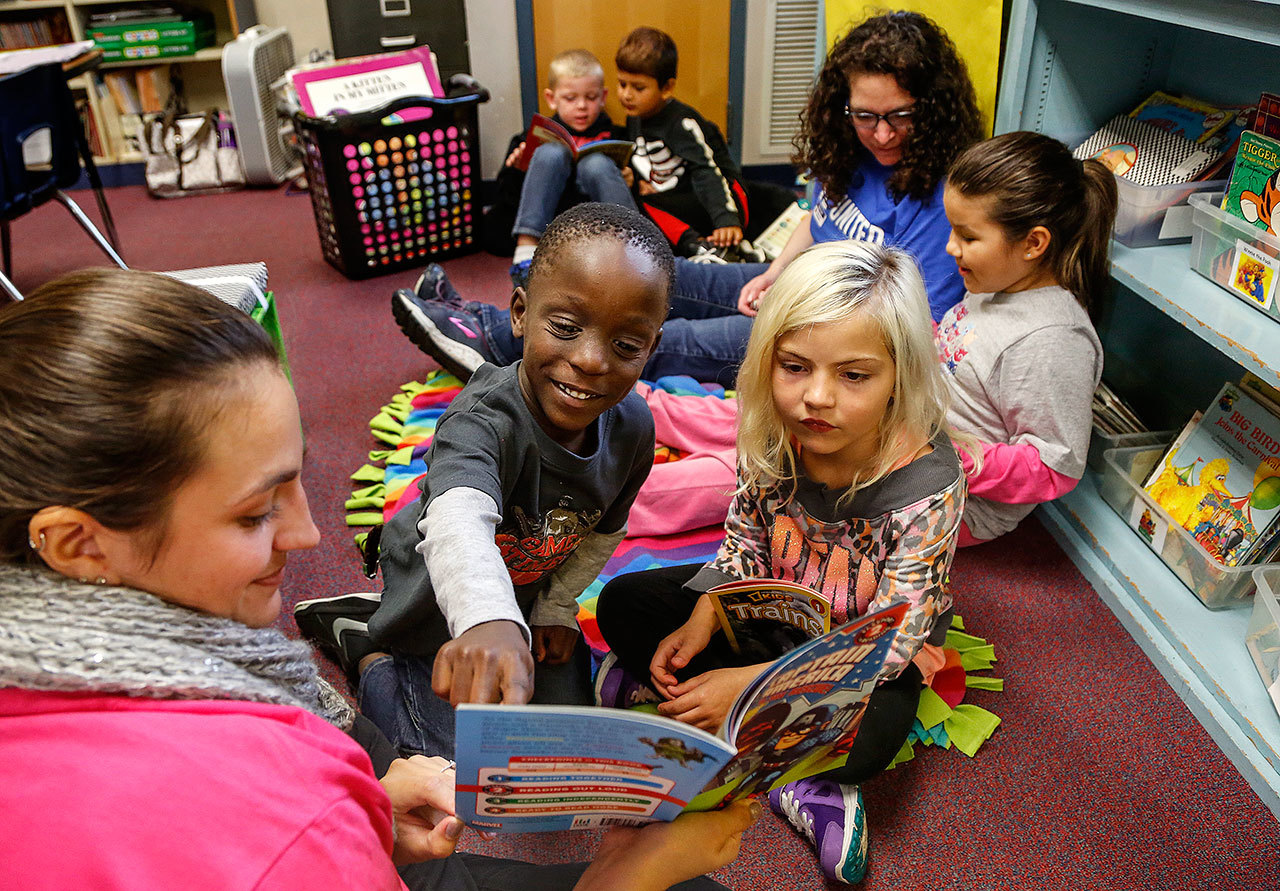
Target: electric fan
253,68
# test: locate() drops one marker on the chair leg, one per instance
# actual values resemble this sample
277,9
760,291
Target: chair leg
91,170
87,225
6,248
8,288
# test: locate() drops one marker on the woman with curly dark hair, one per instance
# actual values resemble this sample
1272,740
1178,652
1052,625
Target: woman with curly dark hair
891,109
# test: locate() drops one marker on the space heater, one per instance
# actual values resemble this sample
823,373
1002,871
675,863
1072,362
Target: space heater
253,70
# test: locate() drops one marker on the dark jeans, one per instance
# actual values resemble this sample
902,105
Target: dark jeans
396,695
704,336
637,610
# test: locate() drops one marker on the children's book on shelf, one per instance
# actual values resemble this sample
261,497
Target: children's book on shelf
543,129
362,83
1254,191
542,768
1145,154
1183,116
763,617
1266,117
1220,480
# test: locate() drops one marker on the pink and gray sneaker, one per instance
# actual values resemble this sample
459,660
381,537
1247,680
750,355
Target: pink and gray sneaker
832,817
449,334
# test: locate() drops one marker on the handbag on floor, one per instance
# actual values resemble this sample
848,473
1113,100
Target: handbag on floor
184,156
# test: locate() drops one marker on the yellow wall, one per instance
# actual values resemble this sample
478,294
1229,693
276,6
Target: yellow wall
700,30
974,26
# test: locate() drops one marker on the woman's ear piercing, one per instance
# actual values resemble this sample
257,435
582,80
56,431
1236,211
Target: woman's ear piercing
84,580
100,580
36,546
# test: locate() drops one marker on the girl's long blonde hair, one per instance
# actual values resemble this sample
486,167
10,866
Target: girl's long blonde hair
832,282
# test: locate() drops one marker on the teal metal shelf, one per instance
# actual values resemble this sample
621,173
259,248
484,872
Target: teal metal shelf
1200,652
1163,277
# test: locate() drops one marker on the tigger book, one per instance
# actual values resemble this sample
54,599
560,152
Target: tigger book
543,768
1254,191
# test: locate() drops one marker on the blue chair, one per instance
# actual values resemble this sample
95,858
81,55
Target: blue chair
42,144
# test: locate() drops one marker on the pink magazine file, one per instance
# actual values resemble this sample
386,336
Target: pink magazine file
367,82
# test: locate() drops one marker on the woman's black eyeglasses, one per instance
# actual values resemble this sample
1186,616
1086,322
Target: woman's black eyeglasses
898,120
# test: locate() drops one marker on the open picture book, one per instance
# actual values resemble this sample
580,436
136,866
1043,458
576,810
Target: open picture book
542,768
543,129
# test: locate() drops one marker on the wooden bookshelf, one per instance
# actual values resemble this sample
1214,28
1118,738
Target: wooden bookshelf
201,72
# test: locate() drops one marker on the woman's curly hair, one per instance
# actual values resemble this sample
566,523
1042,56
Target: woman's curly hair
916,53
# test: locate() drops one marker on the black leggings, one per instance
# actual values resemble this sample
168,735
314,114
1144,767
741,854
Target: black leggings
637,610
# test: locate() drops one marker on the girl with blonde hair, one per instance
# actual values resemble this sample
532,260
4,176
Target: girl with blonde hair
847,483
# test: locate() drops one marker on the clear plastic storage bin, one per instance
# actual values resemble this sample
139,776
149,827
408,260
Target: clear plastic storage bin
1151,215
1100,441
1217,586
1213,246
1263,636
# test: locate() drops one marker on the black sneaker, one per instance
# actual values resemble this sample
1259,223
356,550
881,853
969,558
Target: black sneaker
449,334
339,626
435,286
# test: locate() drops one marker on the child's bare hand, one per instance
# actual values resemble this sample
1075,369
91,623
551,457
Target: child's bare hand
681,645
726,236
486,663
703,701
553,644
514,156
753,292
660,855
646,187
628,177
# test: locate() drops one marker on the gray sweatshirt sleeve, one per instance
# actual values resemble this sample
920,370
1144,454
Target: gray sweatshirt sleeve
468,575
558,605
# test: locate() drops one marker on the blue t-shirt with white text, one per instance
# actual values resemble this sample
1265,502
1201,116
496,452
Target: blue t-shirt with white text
869,213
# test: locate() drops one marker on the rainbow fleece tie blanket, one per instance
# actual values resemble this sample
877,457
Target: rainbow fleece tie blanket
391,479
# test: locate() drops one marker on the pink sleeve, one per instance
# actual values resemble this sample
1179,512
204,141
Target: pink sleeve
337,849
1015,474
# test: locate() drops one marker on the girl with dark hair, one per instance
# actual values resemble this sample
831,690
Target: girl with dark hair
891,109
1030,230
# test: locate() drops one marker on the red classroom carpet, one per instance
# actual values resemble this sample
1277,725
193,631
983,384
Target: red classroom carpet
1098,778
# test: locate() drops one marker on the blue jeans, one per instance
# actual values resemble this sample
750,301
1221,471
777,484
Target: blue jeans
395,694
704,336
550,169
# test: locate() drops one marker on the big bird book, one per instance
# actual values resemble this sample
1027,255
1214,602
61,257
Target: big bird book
543,768
1221,482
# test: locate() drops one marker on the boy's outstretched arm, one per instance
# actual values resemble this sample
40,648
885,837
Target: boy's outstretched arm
488,659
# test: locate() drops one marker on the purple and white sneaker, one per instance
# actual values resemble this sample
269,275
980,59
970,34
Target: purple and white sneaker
450,335
616,688
832,818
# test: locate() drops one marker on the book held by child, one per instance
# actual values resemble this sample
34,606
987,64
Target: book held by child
762,617
543,129
544,768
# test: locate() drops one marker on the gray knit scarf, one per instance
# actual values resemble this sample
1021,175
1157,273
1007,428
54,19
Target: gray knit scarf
59,634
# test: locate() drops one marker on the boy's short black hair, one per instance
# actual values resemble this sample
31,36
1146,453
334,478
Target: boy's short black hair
648,51
596,220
